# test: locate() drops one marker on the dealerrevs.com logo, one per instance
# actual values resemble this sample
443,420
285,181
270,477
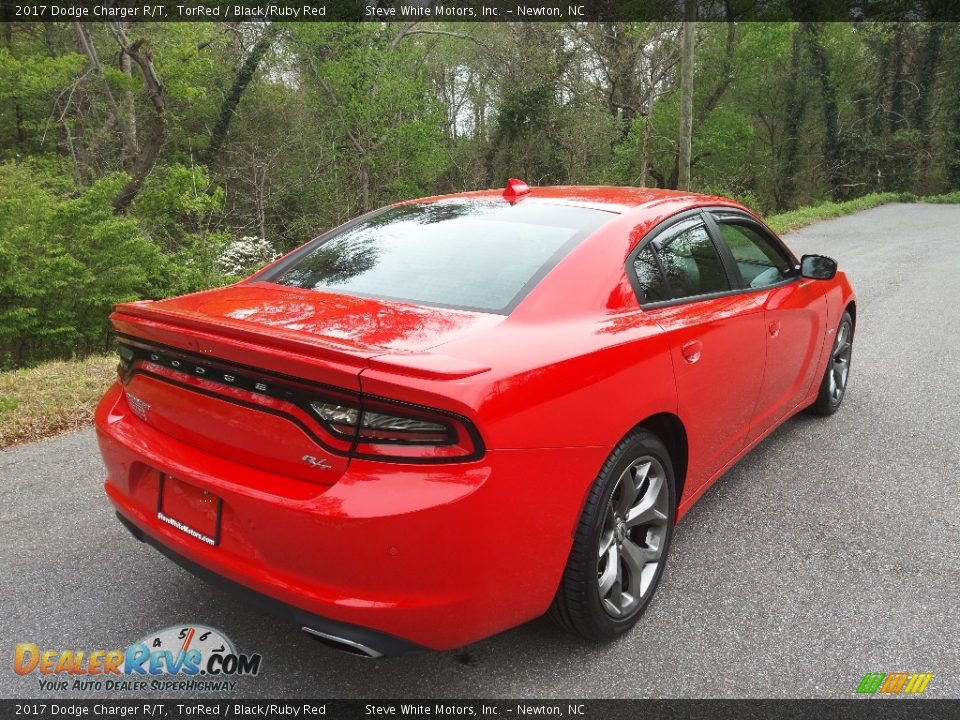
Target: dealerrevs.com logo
181,657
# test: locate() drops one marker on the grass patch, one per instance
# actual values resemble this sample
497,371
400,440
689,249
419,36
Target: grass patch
795,219
52,398
950,197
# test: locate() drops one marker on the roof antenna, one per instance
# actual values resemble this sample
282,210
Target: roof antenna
515,190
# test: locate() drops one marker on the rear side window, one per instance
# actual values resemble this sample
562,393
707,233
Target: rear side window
474,255
649,276
689,266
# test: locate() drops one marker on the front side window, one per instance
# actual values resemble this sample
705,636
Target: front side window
760,261
474,255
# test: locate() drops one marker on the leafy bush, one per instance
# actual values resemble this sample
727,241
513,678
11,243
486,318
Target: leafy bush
950,197
180,209
65,259
796,219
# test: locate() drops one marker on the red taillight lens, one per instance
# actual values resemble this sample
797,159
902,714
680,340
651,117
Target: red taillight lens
385,431
374,426
393,428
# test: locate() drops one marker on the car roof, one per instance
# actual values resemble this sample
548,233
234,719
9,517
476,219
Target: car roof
611,198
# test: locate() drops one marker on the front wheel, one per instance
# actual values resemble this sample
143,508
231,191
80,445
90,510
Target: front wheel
835,377
621,543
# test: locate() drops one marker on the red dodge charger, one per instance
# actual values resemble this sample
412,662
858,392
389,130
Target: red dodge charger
452,415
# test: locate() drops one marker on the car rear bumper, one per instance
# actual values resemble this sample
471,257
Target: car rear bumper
392,558
350,638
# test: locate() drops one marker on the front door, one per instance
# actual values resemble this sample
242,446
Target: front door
794,315
717,341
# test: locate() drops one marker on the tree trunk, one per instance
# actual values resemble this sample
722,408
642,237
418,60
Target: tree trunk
232,100
156,127
645,148
828,95
130,110
90,50
896,117
686,95
953,159
796,102
926,77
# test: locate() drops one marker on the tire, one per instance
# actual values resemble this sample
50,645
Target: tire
833,386
613,569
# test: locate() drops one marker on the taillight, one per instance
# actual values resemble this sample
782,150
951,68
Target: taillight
356,425
127,356
340,419
382,427
385,430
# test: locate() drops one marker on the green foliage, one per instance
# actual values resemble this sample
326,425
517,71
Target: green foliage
28,88
196,265
945,198
64,261
176,203
382,124
796,219
327,120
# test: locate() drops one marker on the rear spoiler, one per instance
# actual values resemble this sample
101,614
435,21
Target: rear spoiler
146,320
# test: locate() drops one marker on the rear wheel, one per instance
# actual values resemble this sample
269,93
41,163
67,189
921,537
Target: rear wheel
621,543
835,377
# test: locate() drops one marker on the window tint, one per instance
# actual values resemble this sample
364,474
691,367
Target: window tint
692,264
649,276
476,255
760,261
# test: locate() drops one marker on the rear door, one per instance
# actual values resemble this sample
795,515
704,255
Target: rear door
716,336
794,313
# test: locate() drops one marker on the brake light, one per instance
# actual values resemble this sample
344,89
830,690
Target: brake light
382,427
396,432
389,431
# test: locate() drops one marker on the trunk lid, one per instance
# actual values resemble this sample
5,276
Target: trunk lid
359,326
232,371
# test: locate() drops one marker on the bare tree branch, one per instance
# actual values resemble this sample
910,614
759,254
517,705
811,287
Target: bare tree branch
232,100
90,50
155,136
411,29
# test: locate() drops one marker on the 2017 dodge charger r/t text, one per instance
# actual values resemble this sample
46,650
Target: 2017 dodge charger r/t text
454,414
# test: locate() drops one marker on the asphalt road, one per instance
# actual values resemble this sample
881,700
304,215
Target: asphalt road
833,549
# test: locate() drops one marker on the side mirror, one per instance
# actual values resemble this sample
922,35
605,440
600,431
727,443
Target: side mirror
818,267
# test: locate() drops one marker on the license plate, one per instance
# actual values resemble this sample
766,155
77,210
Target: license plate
189,509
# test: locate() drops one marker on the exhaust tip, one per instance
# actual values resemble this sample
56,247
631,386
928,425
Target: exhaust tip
351,647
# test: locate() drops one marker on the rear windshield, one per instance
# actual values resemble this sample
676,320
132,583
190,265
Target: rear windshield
473,255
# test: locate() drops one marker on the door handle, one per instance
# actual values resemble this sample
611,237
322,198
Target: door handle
691,351
773,328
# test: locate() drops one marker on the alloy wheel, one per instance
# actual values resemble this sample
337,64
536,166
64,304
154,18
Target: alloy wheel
840,362
633,537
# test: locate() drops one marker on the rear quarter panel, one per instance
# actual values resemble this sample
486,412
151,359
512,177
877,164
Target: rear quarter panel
591,381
